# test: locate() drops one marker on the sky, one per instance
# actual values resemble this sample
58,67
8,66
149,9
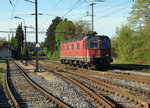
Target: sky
108,15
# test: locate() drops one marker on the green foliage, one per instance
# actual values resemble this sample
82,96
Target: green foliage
18,42
2,73
140,12
50,41
114,48
124,42
81,27
31,46
2,39
41,53
25,52
65,30
132,42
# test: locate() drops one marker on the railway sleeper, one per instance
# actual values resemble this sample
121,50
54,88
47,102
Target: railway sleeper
125,86
143,104
121,93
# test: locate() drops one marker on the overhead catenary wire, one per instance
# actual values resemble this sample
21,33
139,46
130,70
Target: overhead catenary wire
106,15
13,11
58,3
121,4
114,12
75,5
53,9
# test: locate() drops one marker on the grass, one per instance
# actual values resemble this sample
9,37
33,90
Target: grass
9,59
2,74
129,65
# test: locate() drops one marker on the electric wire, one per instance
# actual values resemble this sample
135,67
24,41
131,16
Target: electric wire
14,8
58,3
114,6
114,12
106,15
74,6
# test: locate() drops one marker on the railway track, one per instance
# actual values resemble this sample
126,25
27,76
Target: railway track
130,75
96,98
128,95
23,92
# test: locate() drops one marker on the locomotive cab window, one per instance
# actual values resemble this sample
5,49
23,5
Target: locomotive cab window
105,44
67,47
94,44
78,46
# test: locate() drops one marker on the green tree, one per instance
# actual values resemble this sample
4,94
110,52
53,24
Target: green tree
2,39
114,47
125,43
18,42
50,41
81,27
132,41
25,52
140,12
140,16
65,30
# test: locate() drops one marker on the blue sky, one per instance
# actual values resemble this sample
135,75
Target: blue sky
108,14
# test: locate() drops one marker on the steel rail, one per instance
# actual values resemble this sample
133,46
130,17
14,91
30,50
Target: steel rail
122,76
97,97
100,99
126,86
49,96
123,93
128,74
117,84
100,73
8,91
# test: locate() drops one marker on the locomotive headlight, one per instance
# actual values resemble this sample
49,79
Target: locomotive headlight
107,55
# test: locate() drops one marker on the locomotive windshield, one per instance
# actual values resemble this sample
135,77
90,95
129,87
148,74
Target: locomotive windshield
105,44
94,44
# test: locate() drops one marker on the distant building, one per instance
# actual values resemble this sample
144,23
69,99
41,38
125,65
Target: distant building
6,50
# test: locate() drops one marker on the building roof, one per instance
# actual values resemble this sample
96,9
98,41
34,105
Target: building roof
2,43
6,44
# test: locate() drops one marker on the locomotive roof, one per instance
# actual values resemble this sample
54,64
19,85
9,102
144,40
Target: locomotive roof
78,38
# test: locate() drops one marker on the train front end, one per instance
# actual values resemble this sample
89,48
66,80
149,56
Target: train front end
99,51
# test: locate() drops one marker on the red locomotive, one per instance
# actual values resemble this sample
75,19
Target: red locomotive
86,51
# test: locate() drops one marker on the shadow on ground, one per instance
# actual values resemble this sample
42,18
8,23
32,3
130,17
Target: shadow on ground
131,67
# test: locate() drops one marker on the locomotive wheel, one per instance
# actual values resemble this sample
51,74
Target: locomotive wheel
75,63
70,62
62,61
85,66
79,64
